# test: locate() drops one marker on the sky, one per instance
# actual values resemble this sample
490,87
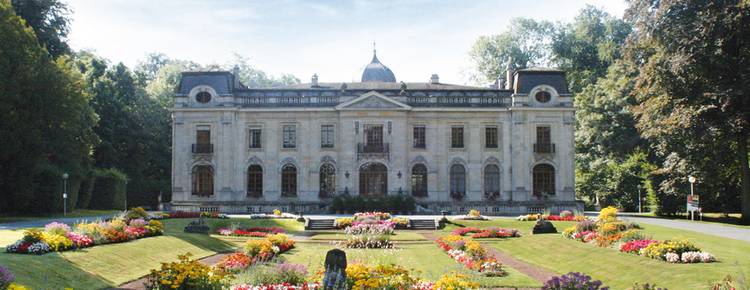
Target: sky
334,39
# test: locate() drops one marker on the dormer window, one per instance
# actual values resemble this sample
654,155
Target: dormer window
203,97
543,96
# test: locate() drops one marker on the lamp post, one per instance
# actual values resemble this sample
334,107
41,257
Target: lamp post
65,193
692,180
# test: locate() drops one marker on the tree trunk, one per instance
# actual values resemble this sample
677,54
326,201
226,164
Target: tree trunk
744,177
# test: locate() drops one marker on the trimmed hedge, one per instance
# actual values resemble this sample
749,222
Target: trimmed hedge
85,191
109,189
391,203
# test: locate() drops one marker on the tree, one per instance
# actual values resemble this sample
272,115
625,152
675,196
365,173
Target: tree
585,48
526,43
45,121
692,86
49,19
255,78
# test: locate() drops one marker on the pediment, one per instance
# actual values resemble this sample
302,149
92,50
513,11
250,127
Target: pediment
373,101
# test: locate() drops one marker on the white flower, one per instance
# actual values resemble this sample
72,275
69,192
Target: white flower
275,249
672,257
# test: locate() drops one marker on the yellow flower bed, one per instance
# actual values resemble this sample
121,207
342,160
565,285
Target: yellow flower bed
455,281
390,276
187,274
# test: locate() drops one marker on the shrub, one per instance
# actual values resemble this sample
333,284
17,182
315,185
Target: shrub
109,189
32,235
255,248
474,213
343,222
607,214
456,281
6,277
136,213
573,281
585,225
660,249
632,235
388,203
187,274
646,286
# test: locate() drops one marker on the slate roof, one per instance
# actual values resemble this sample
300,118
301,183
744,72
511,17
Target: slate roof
381,86
527,79
377,72
221,81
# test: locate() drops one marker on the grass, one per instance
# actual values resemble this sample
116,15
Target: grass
620,270
74,214
111,265
427,259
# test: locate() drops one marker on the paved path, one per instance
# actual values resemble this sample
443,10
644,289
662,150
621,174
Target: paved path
706,228
42,222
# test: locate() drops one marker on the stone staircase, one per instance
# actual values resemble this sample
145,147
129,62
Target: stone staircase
319,224
423,224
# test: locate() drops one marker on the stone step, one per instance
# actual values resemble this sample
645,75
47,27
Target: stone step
319,224
423,224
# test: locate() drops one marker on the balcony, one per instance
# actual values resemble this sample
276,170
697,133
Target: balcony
199,148
544,148
373,150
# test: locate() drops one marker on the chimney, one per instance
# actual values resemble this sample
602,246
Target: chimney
509,75
434,79
236,73
314,81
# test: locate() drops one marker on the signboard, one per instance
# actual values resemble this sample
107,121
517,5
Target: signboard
693,203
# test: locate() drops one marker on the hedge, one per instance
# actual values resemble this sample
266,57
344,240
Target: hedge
109,189
85,190
390,203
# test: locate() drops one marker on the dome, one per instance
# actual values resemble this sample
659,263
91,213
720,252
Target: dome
377,72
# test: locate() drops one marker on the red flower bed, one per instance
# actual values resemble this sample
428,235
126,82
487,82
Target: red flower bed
487,233
569,218
635,246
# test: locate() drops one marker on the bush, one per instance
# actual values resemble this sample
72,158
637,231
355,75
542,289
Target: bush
573,281
389,203
109,189
136,213
186,274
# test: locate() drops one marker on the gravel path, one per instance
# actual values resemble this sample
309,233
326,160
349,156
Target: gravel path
42,222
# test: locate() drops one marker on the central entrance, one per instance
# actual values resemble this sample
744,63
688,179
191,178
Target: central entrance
373,179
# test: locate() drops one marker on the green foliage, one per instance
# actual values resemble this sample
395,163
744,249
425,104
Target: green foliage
389,203
526,43
109,189
49,19
693,103
44,118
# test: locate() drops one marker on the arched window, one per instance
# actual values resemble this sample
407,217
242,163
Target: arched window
419,180
327,180
492,181
543,96
458,181
289,180
203,180
254,181
203,97
544,179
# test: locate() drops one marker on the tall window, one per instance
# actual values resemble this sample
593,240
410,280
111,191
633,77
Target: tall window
543,135
419,180
289,180
254,180
544,179
490,137
289,136
492,181
419,137
327,180
326,136
203,180
255,138
457,137
203,135
458,180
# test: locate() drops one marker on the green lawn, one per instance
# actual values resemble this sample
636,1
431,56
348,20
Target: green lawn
110,265
73,214
619,270
427,259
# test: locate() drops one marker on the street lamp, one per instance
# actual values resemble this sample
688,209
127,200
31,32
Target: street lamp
65,193
692,181
639,198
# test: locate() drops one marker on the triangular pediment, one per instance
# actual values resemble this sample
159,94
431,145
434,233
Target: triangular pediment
373,101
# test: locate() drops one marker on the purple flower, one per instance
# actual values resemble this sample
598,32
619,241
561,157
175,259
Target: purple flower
573,281
6,277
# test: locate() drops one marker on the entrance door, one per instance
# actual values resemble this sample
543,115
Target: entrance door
373,179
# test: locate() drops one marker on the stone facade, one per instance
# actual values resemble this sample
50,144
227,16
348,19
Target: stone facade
373,123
